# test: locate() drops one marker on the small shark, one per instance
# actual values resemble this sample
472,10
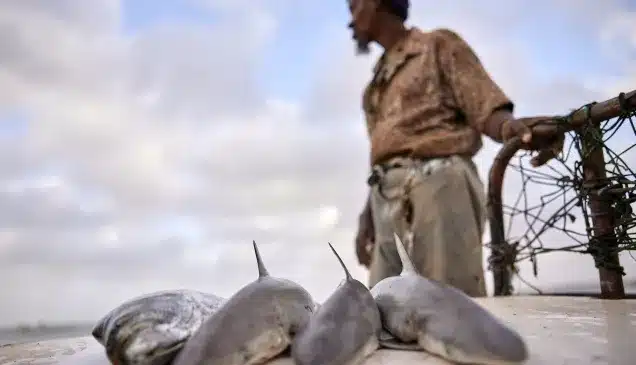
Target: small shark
344,331
428,315
253,326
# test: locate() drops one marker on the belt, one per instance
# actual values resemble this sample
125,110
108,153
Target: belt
380,169
426,167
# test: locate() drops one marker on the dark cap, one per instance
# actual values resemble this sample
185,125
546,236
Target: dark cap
399,8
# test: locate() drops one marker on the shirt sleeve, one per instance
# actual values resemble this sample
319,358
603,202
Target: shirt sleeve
477,96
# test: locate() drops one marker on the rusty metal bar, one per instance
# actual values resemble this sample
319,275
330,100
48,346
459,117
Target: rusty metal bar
604,243
502,276
596,114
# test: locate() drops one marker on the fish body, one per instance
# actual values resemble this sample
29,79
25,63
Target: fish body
429,315
151,329
253,326
344,331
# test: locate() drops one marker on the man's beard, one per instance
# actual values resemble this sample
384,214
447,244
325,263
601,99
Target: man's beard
362,45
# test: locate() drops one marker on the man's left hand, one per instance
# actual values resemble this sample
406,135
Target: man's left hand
549,143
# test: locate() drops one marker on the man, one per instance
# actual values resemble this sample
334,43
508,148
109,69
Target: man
426,107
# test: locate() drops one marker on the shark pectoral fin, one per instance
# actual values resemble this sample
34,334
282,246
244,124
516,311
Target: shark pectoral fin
445,349
266,346
388,341
367,350
385,336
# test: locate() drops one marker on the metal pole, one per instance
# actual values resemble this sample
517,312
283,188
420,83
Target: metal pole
603,243
502,254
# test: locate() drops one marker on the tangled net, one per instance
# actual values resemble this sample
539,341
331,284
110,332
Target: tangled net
551,211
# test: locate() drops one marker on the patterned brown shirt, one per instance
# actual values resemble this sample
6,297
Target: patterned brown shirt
430,97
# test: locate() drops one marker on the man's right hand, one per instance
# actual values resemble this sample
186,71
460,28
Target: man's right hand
365,238
548,143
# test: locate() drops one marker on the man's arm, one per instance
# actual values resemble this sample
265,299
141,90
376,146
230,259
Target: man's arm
493,126
367,206
478,97
485,105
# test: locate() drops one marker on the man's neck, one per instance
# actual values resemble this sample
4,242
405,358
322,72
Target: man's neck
392,34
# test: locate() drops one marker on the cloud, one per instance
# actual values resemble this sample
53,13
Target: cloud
147,156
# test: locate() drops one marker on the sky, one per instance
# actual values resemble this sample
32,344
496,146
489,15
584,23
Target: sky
145,144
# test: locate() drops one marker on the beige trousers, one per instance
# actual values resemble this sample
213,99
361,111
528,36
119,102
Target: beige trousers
446,205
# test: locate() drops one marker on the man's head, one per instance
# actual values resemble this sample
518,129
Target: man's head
369,16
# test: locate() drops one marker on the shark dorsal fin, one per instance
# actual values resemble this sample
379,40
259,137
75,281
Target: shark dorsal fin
348,276
407,264
262,271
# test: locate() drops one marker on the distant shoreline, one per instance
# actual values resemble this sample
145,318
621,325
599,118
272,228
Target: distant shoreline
42,332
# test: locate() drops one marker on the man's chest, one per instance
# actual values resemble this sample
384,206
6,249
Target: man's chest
401,81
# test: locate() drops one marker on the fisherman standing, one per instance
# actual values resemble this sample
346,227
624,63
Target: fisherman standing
426,107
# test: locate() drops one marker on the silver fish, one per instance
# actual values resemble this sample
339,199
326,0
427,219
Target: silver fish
442,320
344,331
151,329
255,325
